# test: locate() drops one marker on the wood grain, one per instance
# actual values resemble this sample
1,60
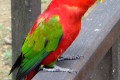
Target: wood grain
116,60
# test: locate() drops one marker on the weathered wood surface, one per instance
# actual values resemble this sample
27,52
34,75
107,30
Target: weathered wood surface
24,13
99,32
103,71
116,59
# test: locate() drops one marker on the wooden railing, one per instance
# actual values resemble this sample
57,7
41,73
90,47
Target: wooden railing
98,42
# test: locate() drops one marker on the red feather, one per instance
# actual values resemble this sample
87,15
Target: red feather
70,12
32,73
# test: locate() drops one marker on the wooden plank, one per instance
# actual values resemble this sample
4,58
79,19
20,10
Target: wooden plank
103,71
98,34
24,13
116,60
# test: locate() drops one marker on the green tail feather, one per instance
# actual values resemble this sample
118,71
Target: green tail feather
29,65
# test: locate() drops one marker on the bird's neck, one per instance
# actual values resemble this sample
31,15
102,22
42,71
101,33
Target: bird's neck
77,3
82,5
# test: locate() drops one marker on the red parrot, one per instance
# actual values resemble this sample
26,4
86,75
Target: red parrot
52,33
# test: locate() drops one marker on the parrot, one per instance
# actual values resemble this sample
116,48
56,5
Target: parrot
52,33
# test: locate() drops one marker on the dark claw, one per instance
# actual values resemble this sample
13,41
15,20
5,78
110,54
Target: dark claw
69,58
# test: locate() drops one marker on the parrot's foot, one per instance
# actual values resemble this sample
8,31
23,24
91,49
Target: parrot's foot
69,58
57,69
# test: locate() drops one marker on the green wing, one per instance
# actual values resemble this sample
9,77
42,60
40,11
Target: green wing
39,44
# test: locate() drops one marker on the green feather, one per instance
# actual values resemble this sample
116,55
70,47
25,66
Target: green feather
52,45
35,47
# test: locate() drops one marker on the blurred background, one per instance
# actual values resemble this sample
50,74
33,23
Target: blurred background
5,39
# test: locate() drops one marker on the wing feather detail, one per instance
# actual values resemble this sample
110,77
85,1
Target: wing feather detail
39,44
